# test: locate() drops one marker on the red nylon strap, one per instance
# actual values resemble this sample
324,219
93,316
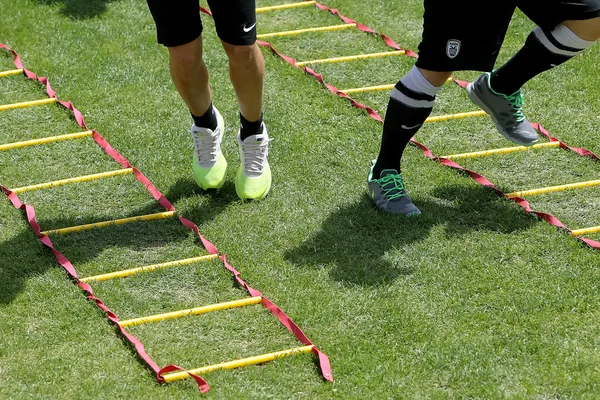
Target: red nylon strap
365,28
372,113
157,195
286,321
388,41
202,384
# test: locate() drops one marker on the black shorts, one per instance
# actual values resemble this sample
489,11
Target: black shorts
456,41
178,21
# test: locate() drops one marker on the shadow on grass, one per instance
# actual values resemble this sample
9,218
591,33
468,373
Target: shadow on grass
79,9
356,238
23,256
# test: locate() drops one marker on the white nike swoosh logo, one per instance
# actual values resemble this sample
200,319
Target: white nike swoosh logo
249,28
410,127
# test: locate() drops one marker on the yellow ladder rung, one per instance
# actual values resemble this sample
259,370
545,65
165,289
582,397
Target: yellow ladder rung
51,139
149,217
584,231
11,72
373,88
147,268
284,6
455,116
368,89
503,150
174,376
192,311
78,179
299,31
352,58
550,189
27,104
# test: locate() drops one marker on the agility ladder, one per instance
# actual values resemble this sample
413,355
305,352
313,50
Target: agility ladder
170,372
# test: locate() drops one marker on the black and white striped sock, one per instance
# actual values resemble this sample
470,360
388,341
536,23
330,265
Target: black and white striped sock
542,51
410,104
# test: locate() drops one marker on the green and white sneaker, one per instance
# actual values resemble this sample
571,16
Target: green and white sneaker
506,111
389,194
253,179
210,165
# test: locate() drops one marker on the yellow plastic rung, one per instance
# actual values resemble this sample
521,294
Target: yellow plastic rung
149,217
11,72
503,150
373,88
368,89
284,6
147,268
455,116
51,139
78,179
175,376
551,189
584,231
192,311
352,58
300,31
28,104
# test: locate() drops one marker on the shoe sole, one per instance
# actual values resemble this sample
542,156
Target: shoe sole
475,99
211,187
387,211
241,196
254,198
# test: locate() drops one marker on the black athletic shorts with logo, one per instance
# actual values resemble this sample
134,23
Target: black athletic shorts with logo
178,21
467,34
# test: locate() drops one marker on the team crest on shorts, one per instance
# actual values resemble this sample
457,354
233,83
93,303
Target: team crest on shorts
452,48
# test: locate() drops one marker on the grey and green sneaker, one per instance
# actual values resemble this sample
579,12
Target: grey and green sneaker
506,111
389,194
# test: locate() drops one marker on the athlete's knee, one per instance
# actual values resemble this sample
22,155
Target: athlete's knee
187,57
587,29
242,54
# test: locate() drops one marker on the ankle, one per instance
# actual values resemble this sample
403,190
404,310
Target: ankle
207,120
249,128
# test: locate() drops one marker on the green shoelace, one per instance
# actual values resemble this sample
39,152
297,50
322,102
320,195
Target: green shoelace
516,102
392,185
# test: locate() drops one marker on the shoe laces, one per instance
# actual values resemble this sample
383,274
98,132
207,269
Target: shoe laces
255,155
516,102
206,147
392,186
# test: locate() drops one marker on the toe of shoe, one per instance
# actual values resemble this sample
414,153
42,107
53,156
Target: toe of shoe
253,187
211,178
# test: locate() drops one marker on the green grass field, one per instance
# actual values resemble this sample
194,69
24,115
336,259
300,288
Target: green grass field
474,299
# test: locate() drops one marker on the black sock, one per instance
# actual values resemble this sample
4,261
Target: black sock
406,112
541,52
207,120
248,128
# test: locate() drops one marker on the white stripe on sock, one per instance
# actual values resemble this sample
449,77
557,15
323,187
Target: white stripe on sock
415,81
563,35
541,36
409,101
